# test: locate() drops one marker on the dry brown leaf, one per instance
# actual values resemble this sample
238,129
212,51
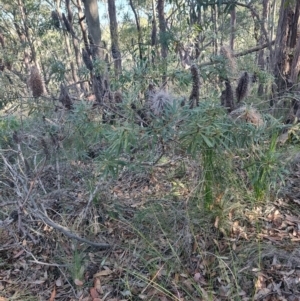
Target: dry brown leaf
53,294
97,285
78,282
93,292
103,273
19,254
261,294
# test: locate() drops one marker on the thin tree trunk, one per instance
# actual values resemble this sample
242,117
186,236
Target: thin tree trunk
260,58
232,27
138,27
163,37
114,35
296,64
93,22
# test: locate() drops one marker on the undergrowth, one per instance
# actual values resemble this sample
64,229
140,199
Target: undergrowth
176,198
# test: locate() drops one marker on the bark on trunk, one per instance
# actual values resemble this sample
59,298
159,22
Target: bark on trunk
114,35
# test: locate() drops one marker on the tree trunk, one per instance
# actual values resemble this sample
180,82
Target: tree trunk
281,64
138,27
114,35
163,36
260,58
93,22
232,27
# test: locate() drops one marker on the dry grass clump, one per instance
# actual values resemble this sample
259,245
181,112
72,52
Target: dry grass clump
35,82
159,101
246,114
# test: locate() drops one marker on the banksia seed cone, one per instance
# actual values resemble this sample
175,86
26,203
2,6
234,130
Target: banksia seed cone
35,82
65,98
67,24
55,19
2,41
118,97
87,60
92,48
227,97
98,89
243,86
194,97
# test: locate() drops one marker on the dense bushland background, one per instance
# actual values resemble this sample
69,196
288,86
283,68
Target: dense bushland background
149,150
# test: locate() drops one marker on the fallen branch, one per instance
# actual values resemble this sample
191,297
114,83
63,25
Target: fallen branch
242,53
68,233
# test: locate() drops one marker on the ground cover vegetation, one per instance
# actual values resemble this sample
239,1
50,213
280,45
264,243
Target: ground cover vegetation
149,150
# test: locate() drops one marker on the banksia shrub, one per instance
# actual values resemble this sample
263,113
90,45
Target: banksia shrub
243,87
65,98
194,97
55,19
35,82
87,60
227,99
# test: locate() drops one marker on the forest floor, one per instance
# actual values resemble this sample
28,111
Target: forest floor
164,245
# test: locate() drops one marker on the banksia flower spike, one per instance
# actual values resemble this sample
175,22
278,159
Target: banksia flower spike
243,86
87,60
35,82
194,97
55,19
